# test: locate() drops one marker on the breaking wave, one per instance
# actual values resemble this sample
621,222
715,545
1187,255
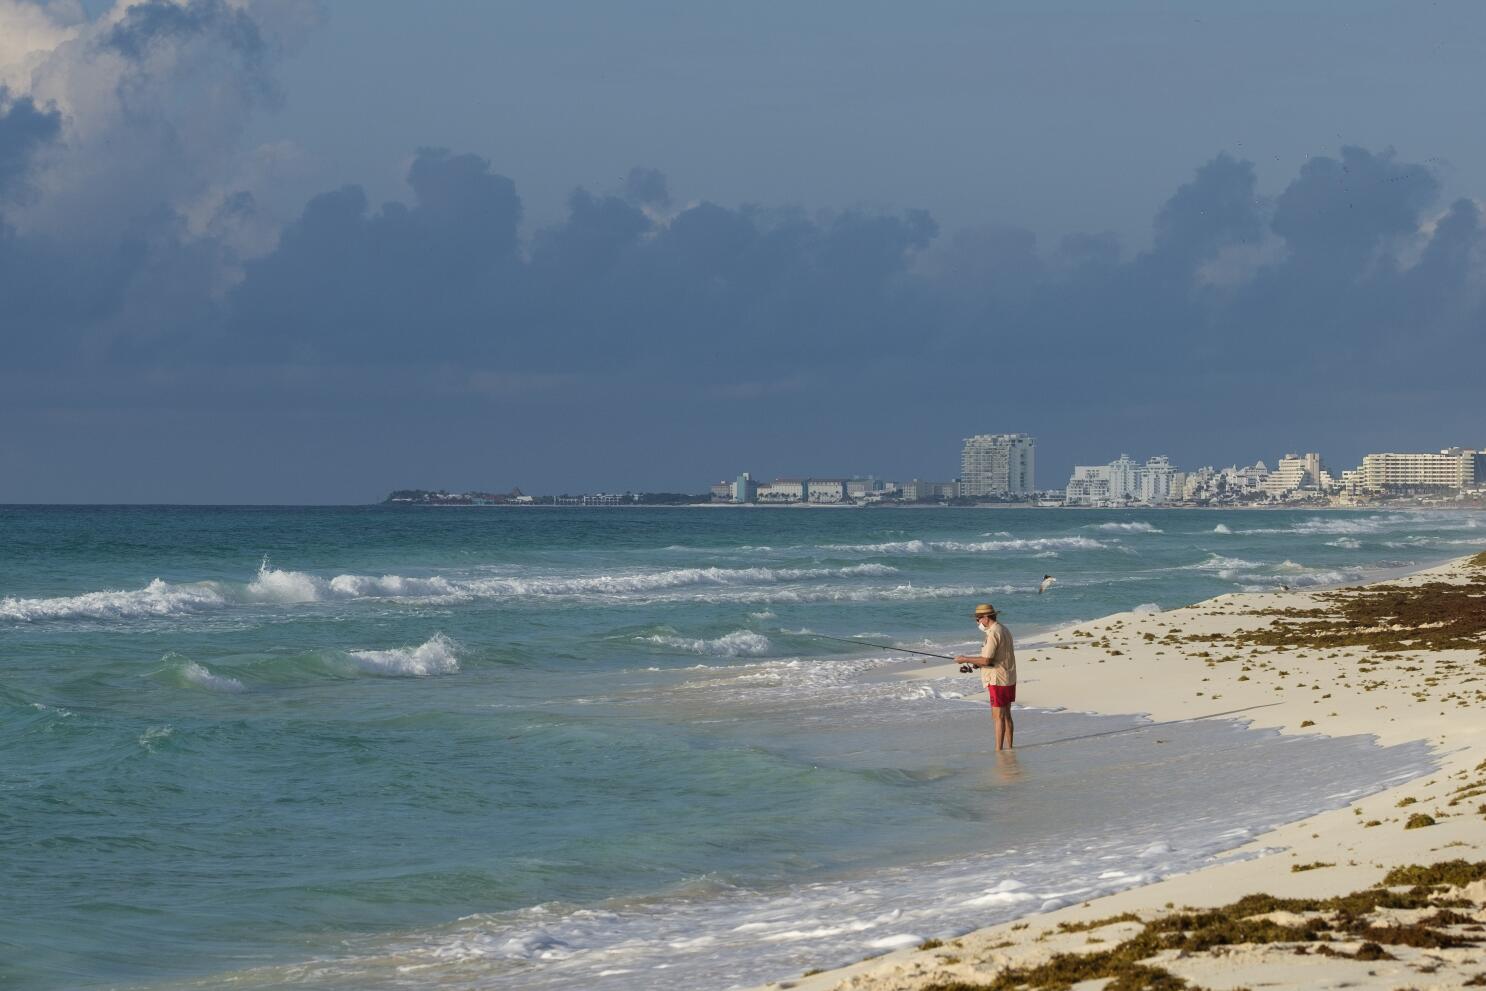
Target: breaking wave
655,582
1222,528
278,587
433,656
970,547
199,675
1223,567
1127,528
158,598
739,643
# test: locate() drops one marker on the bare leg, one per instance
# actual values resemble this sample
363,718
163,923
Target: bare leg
1002,715
1010,731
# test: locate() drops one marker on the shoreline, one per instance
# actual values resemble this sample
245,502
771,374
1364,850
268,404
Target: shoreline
1217,654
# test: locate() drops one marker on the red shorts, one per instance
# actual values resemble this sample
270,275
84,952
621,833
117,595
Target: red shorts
1002,695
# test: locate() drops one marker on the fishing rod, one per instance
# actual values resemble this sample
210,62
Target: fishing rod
883,646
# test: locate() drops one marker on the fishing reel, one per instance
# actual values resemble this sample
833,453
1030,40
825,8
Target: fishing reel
966,668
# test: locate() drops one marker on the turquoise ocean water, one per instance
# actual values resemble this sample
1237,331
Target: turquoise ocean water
552,748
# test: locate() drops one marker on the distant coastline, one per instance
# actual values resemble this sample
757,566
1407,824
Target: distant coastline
570,502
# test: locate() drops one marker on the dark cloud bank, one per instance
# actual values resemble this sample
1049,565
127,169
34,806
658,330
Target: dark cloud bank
653,341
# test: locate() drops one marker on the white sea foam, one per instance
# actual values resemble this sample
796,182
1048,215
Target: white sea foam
1222,566
970,547
392,586
284,587
1127,528
158,598
1146,609
1222,528
654,581
874,593
199,675
433,656
1354,525
736,644
1298,579
1349,543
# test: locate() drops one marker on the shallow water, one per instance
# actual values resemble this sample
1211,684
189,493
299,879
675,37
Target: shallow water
523,748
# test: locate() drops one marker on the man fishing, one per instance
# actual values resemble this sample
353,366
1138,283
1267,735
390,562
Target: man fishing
997,663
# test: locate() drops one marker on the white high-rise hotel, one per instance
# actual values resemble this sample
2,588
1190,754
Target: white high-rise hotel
998,465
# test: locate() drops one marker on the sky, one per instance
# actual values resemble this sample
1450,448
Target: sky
294,252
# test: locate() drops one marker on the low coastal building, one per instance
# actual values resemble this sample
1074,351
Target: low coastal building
783,490
825,490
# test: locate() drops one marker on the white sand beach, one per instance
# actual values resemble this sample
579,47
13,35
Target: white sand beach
1404,660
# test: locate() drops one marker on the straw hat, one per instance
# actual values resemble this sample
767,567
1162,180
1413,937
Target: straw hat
985,609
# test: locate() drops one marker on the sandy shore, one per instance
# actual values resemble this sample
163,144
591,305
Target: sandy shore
1403,660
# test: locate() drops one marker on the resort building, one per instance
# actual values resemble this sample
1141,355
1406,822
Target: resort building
1159,481
1453,468
1125,480
1089,486
998,465
826,490
1296,473
783,490
1245,481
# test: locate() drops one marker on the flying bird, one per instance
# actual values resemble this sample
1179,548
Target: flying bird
1047,583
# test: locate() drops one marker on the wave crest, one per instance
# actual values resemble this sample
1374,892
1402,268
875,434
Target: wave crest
970,547
739,643
200,676
158,598
435,655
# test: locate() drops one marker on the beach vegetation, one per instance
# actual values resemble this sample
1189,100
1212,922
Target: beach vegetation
1328,921
1298,868
1109,920
1453,872
931,944
1385,619
1418,821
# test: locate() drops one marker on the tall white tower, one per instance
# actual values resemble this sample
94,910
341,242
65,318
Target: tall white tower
998,465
